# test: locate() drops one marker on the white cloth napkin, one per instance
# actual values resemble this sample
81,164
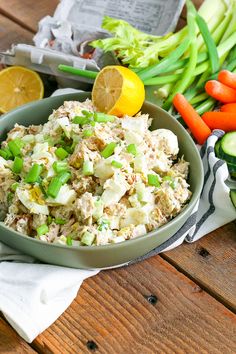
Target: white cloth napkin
34,295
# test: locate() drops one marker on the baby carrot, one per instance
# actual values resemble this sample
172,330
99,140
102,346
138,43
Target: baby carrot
220,120
195,123
220,91
227,78
229,107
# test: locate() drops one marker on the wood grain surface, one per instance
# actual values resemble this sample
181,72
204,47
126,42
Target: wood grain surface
10,342
27,13
12,33
113,313
211,262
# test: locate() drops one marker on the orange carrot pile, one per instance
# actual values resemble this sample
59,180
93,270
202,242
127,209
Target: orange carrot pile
223,90
195,123
229,107
220,91
227,78
220,120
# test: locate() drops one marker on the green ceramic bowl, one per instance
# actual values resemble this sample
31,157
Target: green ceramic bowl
114,254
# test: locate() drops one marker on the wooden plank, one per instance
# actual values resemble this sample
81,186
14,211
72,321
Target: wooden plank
27,13
11,33
211,262
10,342
114,313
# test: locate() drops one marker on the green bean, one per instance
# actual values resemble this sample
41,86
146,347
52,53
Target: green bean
188,73
210,44
206,106
199,98
160,80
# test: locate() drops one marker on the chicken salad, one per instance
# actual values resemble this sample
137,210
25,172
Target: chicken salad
88,178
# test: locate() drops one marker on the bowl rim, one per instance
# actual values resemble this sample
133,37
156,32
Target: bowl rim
115,246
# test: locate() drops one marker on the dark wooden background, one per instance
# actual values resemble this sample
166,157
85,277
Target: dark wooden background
193,288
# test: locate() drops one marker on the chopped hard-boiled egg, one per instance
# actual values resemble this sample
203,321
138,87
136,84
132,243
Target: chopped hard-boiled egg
114,189
134,124
64,123
30,202
135,216
65,196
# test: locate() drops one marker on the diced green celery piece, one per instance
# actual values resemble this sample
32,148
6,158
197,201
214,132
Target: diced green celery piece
141,191
64,176
69,240
87,133
60,166
132,149
116,164
42,230
108,150
34,173
17,165
14,148
87,238
153,180
61,153
88,168
54,187
98,211
103,118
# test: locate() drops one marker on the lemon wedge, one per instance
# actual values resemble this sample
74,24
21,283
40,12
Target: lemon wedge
117,90
18,86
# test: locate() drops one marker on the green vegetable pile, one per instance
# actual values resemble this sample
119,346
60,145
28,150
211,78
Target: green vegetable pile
225,149
180,62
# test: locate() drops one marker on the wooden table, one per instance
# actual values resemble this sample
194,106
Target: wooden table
183,301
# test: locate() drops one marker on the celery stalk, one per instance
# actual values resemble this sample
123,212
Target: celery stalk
210,44
203,96
232,24
212,25
161,80
210,8
217,35
187,75
206,106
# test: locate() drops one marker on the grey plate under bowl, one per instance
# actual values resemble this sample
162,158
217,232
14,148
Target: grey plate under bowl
114,254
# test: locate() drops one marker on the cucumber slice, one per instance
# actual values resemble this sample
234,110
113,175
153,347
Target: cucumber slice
233,175
231,167
232,194
217,149
227,149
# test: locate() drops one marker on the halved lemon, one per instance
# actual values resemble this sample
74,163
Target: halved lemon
18,86
117,90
